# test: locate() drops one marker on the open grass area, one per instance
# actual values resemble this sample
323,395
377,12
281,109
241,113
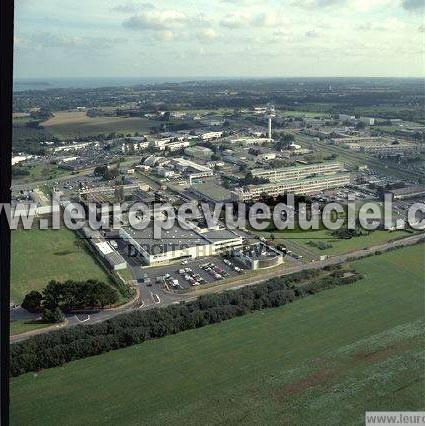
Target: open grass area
42,172
22,326
69,124
39,256
322,360
336,245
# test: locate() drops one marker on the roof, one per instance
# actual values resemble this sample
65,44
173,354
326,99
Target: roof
212,191
220,234
173,239
115,258
104,247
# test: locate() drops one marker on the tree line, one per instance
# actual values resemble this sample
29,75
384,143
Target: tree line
68,296
61,346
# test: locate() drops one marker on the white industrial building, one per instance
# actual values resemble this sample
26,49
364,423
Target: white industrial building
178,243
298,172
304,186
346,117
210,136
248,141
104,249
369,121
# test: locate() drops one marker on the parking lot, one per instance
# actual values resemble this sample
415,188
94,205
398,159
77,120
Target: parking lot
183,274
192,273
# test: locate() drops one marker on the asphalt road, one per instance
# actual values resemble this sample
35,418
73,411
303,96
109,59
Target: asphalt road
156,296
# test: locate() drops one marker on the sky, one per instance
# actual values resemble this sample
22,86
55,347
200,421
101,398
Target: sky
220,38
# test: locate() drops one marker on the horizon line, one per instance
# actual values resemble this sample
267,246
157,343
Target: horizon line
245,77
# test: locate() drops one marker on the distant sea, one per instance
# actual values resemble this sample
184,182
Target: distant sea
91,83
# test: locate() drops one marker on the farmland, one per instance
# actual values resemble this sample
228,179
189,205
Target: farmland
65,125
42,255
338,353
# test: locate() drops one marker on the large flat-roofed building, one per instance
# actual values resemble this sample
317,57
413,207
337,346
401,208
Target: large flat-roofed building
388,150
298,172
248,141
306,186
200,152
360,140
178,243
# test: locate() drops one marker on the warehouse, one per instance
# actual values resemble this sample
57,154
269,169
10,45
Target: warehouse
178,243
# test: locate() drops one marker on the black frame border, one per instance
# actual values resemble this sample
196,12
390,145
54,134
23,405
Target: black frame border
6,96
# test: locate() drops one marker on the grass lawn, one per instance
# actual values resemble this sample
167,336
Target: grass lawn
39,256
22,326
339,246
71,124
322,360
42,172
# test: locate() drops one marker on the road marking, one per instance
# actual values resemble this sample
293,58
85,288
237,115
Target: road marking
155,297
87,319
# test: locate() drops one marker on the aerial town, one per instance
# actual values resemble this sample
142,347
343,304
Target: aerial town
212,212
243,154
227,144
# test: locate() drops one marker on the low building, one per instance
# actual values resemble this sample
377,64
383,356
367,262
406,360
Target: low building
200,152
249,141
210,136
115,261
175,146
346,117
260,256
369,121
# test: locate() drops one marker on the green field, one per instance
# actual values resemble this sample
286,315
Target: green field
41,172
22,326
65,125
339,246
322,360
42,255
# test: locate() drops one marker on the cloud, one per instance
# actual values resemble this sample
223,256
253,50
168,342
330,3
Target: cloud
165,35
262,20
308,4
281,32
156,20
269,20
236,20
355,5
312,34
132,7
390,24
413,4
58,40
207,34
421,28
241,2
